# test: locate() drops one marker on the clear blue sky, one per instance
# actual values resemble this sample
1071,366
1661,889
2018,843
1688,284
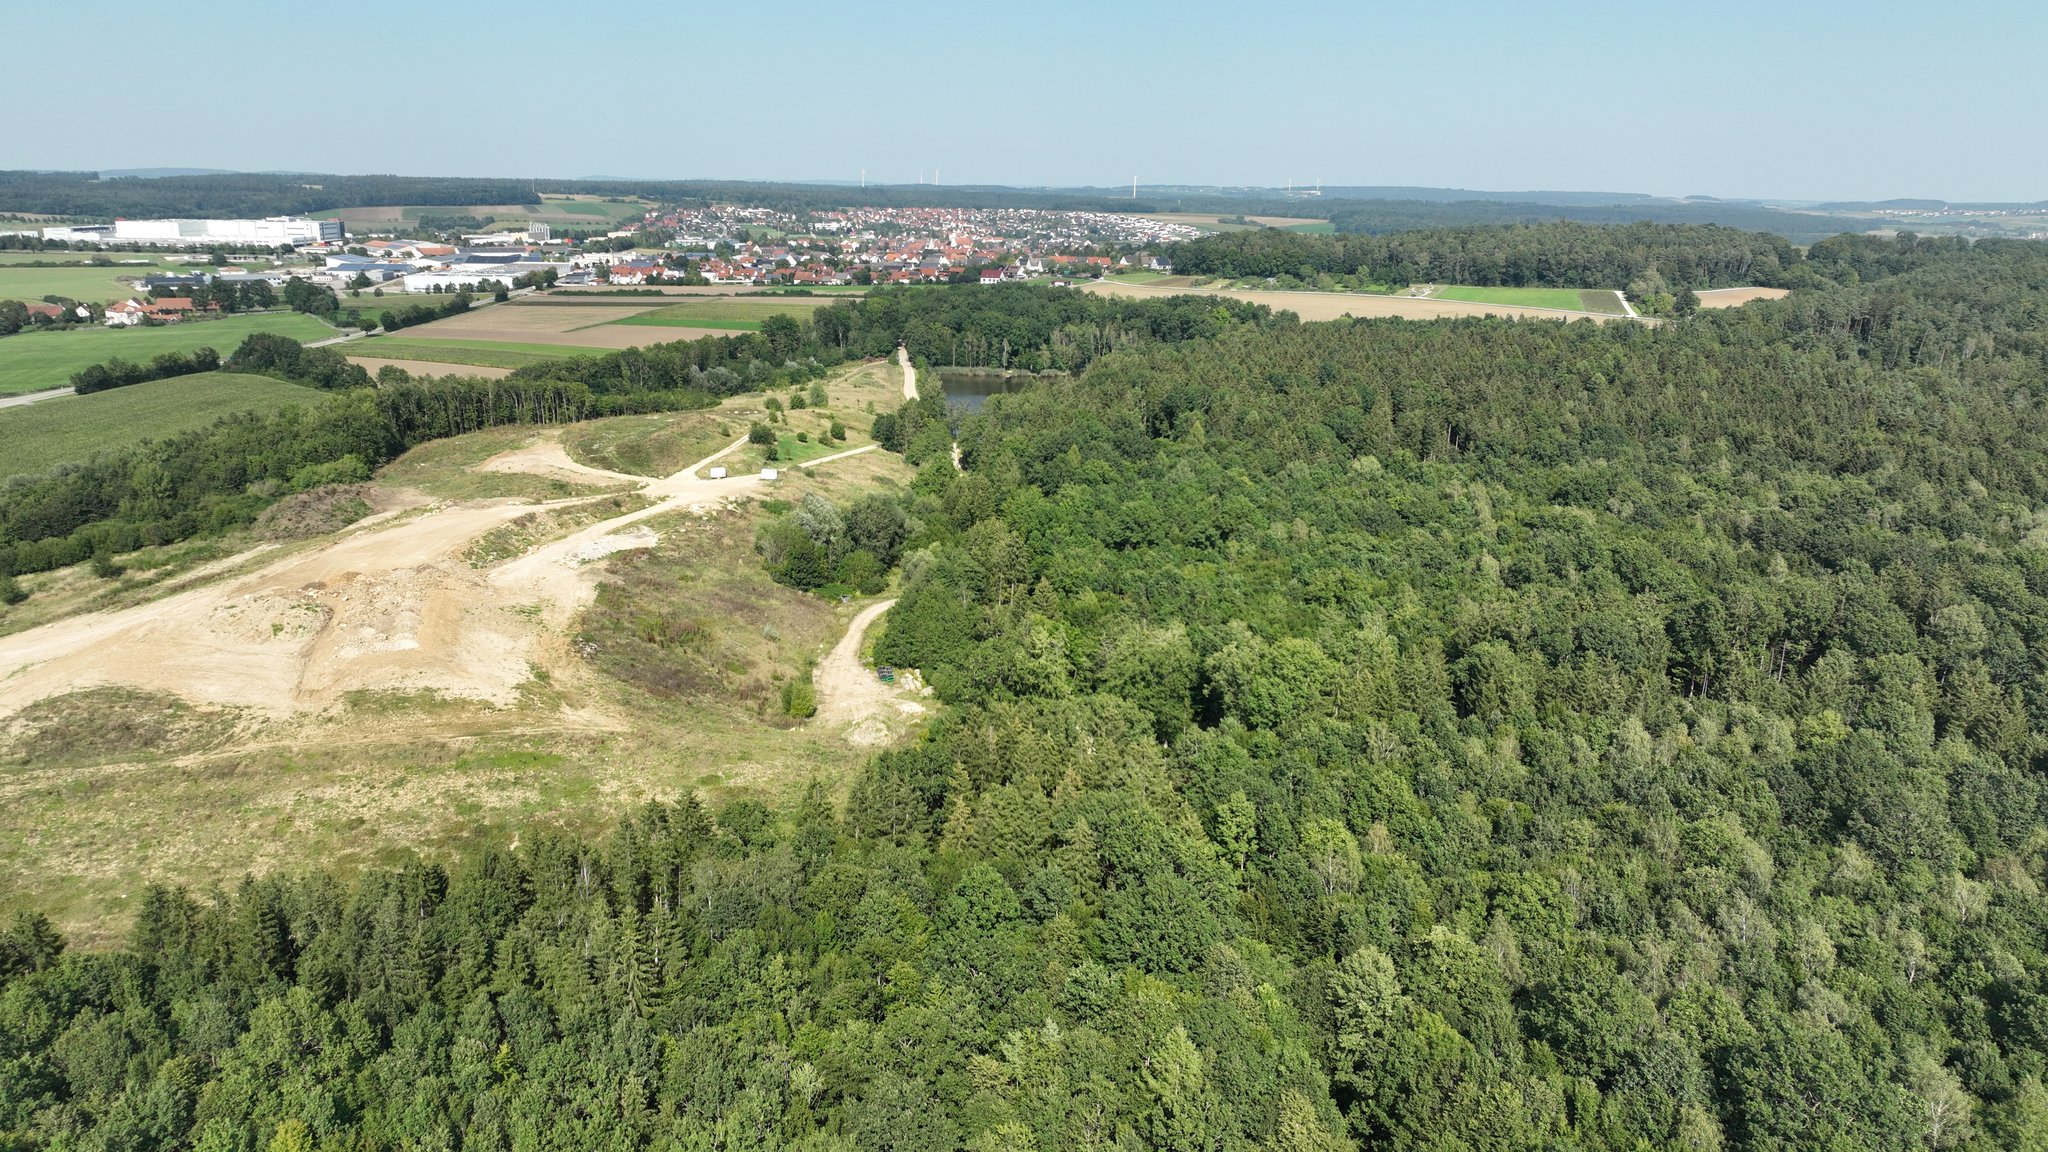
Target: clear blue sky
1815,99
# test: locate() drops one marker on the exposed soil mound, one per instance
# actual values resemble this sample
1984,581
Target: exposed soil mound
100,724
328,508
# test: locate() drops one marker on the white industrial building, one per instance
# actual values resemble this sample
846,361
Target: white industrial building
269,232
532,234
456,277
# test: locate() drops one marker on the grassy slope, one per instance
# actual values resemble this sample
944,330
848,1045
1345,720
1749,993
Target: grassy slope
33,361
38,436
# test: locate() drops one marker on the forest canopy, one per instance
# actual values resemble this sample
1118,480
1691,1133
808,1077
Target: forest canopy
1557,254
1466,735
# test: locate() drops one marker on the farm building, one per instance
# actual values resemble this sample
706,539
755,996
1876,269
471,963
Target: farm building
187,280
169,310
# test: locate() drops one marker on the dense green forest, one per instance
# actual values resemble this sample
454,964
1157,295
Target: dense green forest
1384,216
1554,255
1462,735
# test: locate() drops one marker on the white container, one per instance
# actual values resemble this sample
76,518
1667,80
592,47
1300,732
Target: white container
770,474
718,473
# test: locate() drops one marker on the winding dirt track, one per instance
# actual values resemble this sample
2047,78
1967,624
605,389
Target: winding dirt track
390,606
852,700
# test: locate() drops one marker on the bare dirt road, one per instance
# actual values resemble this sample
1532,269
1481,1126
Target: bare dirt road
853,703
909,373
392,606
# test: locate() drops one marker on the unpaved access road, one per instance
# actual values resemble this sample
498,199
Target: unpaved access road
852,701
392,606
909,373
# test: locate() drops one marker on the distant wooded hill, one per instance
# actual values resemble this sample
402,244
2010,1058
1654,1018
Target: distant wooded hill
1363,209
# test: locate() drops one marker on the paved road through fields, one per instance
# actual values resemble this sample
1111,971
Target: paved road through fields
28,398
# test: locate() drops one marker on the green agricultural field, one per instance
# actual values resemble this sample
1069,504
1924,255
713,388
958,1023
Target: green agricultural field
33,361
593,207
739,314
572,211
64,428
92,284
1319,228
481,353
1570,299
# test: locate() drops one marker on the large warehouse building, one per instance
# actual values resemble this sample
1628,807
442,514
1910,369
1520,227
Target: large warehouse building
268,233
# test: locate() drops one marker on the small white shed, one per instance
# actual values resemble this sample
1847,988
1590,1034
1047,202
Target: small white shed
718,472
770,474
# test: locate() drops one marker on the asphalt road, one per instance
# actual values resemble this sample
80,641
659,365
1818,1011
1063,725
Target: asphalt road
27,398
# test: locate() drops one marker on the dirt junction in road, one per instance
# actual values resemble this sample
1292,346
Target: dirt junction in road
395,605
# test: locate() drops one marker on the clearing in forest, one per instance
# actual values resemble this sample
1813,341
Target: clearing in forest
1736,297
1602,300
520,638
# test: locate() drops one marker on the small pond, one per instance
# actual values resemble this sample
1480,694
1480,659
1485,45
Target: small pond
967,390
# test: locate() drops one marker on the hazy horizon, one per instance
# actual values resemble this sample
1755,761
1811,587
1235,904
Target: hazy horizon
1752,101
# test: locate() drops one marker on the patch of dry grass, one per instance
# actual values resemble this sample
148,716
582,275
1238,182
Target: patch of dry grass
108,723
535,528
446,470
328,508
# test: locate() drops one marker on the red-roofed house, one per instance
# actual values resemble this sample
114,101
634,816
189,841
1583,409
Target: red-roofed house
635,273
125,314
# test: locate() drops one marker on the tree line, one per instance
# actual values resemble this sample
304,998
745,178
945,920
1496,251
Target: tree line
1557,254
119,373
